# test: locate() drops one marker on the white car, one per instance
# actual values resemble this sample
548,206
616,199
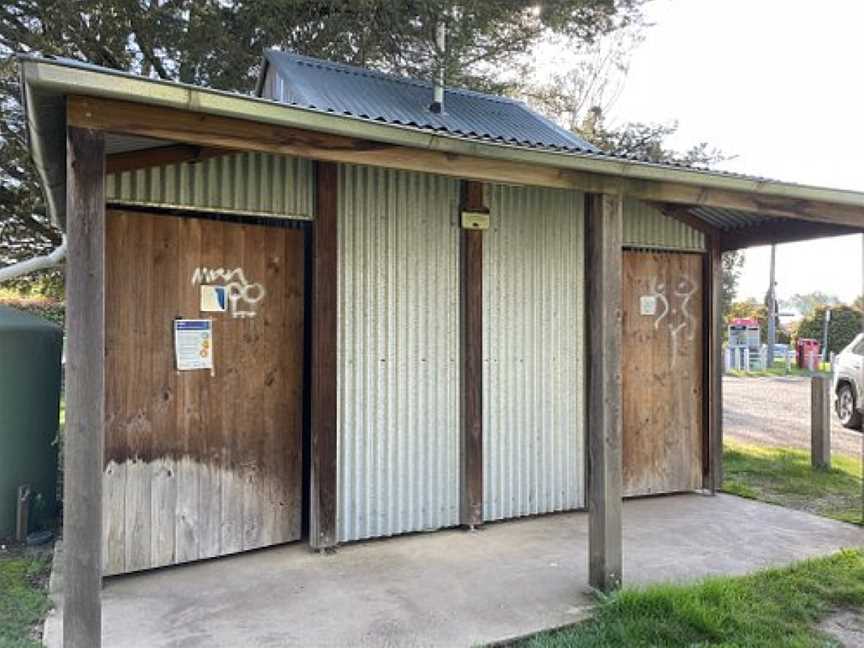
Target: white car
848,372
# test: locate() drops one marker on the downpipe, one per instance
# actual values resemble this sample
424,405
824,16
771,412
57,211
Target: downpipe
35,264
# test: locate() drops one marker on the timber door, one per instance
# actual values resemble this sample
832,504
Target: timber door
201,463
662,372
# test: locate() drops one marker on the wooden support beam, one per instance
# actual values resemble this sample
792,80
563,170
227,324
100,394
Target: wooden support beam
322,518
84,438
160,156
471,438
682,214
604,236
820,422
248,135
783,231
713,402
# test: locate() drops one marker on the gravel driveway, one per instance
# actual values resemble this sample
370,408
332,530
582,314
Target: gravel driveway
776,412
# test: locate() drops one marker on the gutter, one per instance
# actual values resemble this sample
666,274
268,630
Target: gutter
47,81
34,264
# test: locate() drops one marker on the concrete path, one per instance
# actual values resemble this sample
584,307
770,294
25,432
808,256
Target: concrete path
451,588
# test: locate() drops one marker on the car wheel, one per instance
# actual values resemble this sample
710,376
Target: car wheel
848,413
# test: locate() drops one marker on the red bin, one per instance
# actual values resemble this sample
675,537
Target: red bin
805,350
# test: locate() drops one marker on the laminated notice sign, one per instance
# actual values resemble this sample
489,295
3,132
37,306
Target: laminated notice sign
193,344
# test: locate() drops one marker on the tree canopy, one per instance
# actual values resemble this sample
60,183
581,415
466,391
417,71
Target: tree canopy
218,43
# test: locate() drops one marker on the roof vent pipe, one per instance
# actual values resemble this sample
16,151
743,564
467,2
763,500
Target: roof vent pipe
441,47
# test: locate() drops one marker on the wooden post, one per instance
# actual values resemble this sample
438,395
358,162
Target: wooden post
322,492
84,437
820,422
471,438
604,234
713,410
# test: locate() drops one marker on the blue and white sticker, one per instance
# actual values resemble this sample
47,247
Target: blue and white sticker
214,299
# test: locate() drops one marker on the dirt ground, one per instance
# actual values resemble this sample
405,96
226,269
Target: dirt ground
776,412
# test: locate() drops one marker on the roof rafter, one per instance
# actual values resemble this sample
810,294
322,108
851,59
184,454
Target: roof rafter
215,131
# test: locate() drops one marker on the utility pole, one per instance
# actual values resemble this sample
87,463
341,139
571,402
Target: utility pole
772,311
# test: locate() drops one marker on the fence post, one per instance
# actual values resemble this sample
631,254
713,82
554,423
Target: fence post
820,422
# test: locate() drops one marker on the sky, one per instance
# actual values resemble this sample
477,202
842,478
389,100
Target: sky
779,85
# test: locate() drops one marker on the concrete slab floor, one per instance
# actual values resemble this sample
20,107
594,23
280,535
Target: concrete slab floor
451,588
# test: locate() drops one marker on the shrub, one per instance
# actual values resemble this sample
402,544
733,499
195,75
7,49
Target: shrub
845,325
54,311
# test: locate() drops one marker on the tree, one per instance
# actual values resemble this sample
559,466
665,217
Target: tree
844,326
806,304
732,264
218,43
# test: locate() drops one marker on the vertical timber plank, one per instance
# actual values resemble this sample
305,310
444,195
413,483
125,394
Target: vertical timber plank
714,365
323,395
471,437
604,233
85,392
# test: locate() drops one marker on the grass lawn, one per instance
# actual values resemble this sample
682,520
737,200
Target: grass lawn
772,608
23,598
779,370
783,476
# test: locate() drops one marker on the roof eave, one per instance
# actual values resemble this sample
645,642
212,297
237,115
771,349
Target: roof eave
54,80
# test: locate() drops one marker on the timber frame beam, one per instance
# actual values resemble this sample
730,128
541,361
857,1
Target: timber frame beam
471,436
604,235
230,133
323,396
159,156
84,439
781,232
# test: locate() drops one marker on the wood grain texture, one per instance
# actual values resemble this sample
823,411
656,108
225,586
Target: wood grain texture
207,464
471,438
713,382
85,388
820,422
246,135
663,373
162,155
604,226
323,392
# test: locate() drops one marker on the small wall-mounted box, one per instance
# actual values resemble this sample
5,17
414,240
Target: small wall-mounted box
475,220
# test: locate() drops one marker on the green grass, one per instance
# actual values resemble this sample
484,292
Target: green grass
23,599
783,476
780,607
779,369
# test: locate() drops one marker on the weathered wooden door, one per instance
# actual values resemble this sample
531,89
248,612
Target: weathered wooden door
662,372
201,463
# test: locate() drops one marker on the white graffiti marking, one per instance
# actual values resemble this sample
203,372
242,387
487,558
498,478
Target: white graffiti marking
682,292
243,297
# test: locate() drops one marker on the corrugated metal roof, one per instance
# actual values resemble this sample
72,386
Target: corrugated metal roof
729,219
344,89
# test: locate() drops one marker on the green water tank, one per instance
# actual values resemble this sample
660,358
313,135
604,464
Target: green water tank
30,356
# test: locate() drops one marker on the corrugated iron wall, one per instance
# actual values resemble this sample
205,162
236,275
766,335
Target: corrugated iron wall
398,352
534,354
646,227
257,184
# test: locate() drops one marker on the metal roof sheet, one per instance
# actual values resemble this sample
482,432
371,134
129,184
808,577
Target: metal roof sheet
344,89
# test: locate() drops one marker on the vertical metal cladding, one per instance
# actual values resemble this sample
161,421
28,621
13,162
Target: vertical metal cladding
646,227
534,352
398,352
258,184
